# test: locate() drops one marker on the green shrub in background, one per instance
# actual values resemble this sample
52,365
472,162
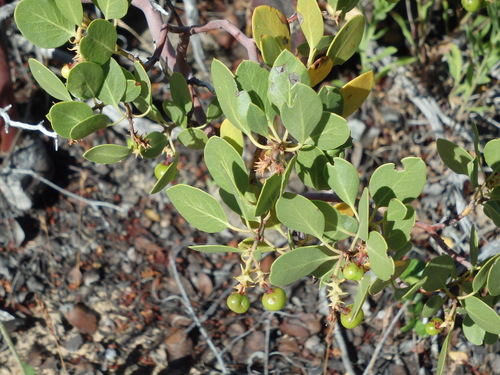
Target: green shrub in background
273,109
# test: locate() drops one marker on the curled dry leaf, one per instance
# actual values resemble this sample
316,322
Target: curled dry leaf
83,319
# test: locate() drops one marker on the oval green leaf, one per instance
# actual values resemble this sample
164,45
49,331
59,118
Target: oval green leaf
113,8
200,209
107,154
300,214
169,175
492,154
48,81
180,92
85,80
343,178
297,263
482,314
381,265
114,85
406,185
193,138
312,21
89,125
43,24
454,156
71,9
65,115
311,162
347,40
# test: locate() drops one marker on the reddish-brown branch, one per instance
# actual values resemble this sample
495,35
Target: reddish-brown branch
431,230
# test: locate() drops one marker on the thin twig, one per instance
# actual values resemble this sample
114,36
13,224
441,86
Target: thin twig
192,313
21,125
380,344
69,194
343,349
431,230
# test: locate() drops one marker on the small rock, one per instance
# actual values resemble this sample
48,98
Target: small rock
83,319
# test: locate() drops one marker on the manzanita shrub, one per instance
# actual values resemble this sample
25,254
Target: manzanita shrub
272,109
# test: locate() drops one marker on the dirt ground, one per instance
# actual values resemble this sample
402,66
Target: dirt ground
99,279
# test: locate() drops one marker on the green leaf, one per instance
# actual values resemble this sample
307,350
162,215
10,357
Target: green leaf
337,226
311,163
270,21
332,99
432,306
226,165
473,246
473,333
214,110
364,215
286,72
112,8
361,294
43,24
271,47
437,271
297,263
232,135
179,90
312,21
492,210
454,156
397,231
300,214
302,113
381,265
114,85
379,285
254,79
492,154
175,113
157,142
200,209
482,314
89,125
347,40
482,275
443,353
269,194
387,183
169,175
48,81
343,178
132,91
493,281
71,9
193,138
65,115
256,120
100,42
107,154
288,171
215,249
331,132
85,80
233,102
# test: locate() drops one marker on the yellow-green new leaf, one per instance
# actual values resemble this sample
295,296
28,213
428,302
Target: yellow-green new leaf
270,21
356,91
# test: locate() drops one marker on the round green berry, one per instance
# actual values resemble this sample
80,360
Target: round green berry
434,326
238,303
348,321
353,272
471,5
275,300
160,170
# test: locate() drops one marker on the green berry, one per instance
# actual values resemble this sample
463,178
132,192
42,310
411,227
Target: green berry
471,5
348,321
353,272
65,71
434,326
275,300
160,170
238,303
